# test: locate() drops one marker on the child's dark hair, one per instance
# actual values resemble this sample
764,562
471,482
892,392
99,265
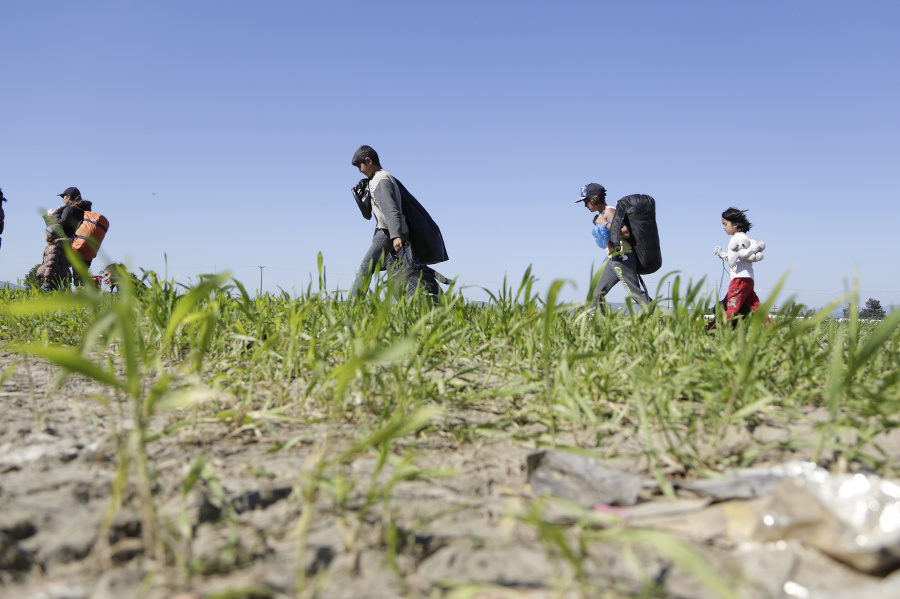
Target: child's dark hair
365,152
738,219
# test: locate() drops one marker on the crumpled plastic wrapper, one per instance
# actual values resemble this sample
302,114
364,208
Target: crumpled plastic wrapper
581,479
748,482
854,518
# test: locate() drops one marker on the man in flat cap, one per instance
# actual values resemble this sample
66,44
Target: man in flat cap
379,195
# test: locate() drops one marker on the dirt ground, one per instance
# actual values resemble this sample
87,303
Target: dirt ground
464,527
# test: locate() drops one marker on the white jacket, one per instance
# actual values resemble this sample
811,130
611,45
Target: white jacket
740,247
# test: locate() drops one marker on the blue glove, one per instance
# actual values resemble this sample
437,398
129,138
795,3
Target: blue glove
601,234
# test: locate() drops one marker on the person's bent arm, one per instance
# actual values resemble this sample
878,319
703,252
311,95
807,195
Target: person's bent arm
609,213
383,196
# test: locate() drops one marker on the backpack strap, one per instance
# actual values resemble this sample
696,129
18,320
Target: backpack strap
643,285
93,221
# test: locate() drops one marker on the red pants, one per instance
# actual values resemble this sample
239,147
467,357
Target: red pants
740,299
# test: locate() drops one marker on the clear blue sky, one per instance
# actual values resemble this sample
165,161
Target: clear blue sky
218,135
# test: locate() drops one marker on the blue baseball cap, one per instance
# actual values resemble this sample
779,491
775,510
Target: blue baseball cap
591,190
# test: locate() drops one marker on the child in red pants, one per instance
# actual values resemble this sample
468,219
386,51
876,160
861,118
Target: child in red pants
741,298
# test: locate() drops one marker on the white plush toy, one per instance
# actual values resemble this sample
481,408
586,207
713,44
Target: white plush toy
739,247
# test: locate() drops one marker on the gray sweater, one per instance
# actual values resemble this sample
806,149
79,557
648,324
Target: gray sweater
385,194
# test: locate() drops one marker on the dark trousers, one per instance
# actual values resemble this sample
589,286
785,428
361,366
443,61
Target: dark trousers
404,265
619,271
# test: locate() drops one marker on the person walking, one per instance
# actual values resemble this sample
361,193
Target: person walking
65,220
741,297
379,194
618,267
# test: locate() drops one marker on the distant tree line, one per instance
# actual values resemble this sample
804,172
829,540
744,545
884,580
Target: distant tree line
871,311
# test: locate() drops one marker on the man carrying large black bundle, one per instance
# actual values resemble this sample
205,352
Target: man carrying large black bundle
405,237
629,235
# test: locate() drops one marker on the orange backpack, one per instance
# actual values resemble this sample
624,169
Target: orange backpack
89,235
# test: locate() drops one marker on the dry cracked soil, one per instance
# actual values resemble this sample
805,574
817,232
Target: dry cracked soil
460,519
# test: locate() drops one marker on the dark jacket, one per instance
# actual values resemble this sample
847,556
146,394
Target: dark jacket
64,220
424,233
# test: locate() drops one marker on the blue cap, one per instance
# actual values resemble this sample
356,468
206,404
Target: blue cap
591,190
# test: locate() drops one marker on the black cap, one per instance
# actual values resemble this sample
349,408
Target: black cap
590,190
71,191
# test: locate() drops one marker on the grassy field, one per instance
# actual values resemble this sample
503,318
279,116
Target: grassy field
174,359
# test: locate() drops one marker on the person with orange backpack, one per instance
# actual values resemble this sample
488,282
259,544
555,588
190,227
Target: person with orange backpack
75,222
